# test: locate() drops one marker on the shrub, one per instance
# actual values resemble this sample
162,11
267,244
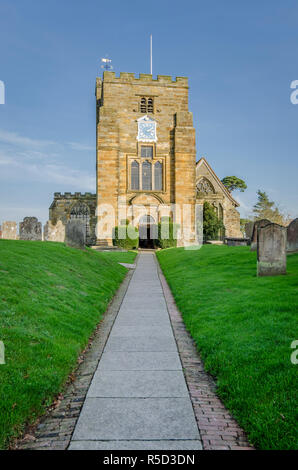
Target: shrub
167,233
212,225
126,236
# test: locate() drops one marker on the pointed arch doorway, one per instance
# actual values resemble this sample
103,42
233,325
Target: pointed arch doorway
147,232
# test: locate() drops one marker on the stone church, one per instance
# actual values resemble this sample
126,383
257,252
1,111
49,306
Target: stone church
146,162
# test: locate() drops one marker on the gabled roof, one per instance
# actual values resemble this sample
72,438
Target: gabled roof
203,161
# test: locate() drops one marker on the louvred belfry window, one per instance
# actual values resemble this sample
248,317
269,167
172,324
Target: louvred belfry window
147,105
150,105
143,105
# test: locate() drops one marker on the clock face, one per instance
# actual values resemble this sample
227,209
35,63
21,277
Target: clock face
147,130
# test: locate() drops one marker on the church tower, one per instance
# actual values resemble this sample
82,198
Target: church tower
146,155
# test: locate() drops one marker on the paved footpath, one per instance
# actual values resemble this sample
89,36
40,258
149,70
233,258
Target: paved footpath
138,398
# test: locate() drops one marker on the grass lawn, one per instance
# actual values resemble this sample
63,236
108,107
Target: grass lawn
51,299
243,327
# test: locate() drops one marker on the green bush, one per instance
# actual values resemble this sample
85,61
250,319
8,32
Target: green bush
126,236
212,225
167,233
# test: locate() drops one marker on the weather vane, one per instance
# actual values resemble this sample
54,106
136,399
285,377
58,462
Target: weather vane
106,63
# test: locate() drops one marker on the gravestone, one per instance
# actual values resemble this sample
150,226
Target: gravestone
75,234
9,230
235,241
30,229
54,233
292,236
254,237
272,258
249,229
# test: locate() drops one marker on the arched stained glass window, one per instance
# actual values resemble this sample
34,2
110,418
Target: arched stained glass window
135,179
146,176
158,176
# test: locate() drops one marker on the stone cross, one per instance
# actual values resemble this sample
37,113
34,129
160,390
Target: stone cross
75,234
292,236
9,230
30,229
272,259
254,237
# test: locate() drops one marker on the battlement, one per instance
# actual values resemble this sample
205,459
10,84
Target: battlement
145,78
73,196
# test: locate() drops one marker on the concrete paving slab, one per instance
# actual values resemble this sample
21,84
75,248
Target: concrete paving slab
128,265
138,398
136,418
138,384
141,331
113,360
144,343
138,310
137,445
149,320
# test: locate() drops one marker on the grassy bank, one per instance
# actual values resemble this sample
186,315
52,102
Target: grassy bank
51,299
243,327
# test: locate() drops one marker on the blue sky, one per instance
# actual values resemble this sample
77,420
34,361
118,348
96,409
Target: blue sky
240,58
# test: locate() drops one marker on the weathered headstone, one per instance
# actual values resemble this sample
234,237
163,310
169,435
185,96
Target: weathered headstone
254,237
54,233
9,230
272,258
292,236
235,241
75,234
249,229
30,229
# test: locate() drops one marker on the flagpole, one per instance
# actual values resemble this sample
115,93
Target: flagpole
151,54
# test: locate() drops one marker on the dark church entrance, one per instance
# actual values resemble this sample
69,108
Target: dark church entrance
147,232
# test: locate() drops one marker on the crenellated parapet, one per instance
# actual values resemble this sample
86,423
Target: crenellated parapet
145,78
73,196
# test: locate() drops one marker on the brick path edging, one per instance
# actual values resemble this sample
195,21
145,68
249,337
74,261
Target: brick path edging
218,429
54,430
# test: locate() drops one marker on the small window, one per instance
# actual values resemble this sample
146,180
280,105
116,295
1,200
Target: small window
150,105
146,151
146,176
135,180
158,176
147,105
143,105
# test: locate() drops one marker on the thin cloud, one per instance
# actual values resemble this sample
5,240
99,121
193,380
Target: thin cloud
81,147
23,158
13,138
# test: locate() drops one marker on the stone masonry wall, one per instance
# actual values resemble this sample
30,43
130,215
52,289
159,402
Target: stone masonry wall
118,108
63,205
